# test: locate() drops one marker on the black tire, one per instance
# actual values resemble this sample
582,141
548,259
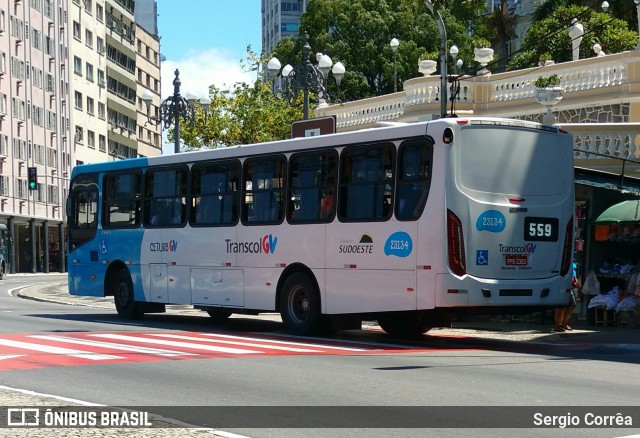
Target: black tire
405,324
300,306
219,315
123,297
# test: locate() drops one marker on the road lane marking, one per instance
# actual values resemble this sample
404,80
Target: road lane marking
115,346
245,344
175,343
57,350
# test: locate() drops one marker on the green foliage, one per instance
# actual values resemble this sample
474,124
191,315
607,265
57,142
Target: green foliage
551,36
549,81
244,114
358,32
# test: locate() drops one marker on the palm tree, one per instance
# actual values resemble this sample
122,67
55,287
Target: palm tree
503,26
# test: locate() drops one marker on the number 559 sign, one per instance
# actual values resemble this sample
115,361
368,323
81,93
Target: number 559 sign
541,229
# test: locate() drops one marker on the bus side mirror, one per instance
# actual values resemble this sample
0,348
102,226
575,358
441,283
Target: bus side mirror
68,207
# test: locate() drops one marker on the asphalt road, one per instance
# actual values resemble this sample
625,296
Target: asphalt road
443,369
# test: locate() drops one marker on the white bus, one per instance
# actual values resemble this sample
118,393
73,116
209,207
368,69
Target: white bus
408,224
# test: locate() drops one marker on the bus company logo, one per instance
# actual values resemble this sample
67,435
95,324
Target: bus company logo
170,246
527,248
492,221
364,246
266,244
398,244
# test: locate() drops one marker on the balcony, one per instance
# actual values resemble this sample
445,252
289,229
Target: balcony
600,106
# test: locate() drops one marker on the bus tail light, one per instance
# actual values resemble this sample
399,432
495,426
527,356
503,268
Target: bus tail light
455,241
566,251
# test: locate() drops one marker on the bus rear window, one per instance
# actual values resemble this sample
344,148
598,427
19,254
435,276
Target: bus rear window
511,162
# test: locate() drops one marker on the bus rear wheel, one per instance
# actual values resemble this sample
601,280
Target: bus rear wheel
405,324
123,297
300,305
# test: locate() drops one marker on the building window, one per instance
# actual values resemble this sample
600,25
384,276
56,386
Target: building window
89,72
90,105
78,100
88,38
100,45
91,139
102,143
79,138
76,30
77,65
99,12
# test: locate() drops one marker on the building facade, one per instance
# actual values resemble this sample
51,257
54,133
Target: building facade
280,19
34,130
71,76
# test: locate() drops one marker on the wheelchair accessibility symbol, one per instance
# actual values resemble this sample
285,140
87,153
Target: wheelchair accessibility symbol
103,247
482,257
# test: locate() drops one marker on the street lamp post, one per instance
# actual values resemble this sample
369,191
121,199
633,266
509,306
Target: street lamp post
306,76
443,58
173,108
394,48
637,2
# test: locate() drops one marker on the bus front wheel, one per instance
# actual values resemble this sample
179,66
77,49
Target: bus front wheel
123,297
405,324
300,305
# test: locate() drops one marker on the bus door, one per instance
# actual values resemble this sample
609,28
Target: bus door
210,244
370,256
84,248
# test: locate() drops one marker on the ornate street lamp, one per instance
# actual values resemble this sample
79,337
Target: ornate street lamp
394,48
453,51
306,76
173,108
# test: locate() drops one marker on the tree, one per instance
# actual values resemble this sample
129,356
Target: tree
245,114
551,36
503,27
358,32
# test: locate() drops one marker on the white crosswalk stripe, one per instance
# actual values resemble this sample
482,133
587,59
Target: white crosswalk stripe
114,346
56,350
189,345
245,344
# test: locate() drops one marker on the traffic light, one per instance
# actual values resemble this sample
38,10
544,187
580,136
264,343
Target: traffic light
33,178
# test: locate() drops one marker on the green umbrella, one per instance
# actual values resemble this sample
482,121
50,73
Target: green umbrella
624,212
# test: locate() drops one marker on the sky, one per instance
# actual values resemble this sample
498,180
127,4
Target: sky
206,41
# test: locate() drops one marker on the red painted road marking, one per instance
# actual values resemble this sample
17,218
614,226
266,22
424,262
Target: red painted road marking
23,351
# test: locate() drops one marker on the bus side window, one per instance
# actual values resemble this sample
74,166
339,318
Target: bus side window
367,173
312,179
264,197
414,179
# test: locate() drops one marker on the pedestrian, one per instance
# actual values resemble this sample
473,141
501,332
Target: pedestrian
562,315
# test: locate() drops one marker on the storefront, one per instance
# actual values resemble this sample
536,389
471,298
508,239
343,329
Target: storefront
34,245
610,251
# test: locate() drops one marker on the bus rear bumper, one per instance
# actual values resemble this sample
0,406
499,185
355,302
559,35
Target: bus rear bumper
452,291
